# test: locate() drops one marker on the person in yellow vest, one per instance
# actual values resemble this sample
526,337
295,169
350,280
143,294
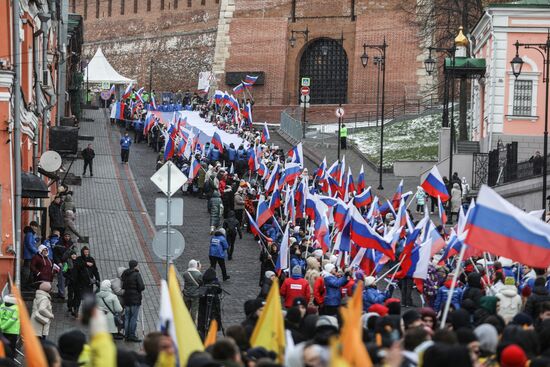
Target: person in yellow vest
9,320
343,137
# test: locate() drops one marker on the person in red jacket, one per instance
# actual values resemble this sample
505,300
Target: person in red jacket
295,286
319,292
41,265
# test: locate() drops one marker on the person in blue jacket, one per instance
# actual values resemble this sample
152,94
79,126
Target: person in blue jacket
214,155
297,260
125,143
231,154
30,248
218,251
443,293
138,130
333,294
371,294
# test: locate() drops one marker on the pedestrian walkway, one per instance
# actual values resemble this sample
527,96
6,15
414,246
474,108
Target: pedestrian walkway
111,213
244,269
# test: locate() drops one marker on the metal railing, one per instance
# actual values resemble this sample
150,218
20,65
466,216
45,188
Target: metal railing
291,126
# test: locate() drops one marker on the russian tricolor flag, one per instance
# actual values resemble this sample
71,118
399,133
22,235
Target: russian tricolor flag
275,200
498,227
282,260
265,133
364,236
153,103
363,199
396,199
297,154
120,106
112,90
292,171
250,79
361,184
442,213
434,185
194,169
128,92
238,89
254,228
217,141
263,212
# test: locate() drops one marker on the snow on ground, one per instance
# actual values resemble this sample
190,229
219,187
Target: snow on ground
414,139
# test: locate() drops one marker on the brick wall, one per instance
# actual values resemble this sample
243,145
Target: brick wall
180,39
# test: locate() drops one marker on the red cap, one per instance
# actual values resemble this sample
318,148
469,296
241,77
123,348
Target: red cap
392,300
513,356
379,309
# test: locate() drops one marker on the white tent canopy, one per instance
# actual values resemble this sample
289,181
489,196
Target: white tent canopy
102,71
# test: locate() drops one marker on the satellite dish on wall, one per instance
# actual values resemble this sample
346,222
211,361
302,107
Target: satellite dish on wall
50,161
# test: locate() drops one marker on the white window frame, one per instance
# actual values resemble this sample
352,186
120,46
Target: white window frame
534,75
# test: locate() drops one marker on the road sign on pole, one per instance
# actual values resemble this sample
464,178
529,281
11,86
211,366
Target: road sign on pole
305,82
175,240
169,177
305,98
161,211
339,112
304,91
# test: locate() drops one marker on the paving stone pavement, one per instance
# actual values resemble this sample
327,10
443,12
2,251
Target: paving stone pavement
110,212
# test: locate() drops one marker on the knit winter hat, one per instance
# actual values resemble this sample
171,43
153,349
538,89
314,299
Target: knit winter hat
509,281
379,309
393,305
45,286
513,356
268,274
487,335
297,270
522,319
329,267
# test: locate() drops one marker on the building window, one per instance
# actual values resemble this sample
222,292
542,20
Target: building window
109,7
203,2
161,4
121,7
189,3
85,9
97,9
135,6
175,4
523,98
74,6
148,5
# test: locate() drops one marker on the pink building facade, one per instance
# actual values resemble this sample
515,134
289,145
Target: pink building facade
504,108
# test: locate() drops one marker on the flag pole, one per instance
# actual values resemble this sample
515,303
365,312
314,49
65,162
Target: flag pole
453,286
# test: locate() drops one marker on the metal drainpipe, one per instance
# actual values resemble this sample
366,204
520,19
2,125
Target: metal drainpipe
38,108
46,115
17,137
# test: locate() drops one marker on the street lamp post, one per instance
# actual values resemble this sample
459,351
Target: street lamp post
378,62
429,65
517,64
87,82
381,64
292,41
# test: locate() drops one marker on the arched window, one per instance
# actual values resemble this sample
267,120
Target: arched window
325,61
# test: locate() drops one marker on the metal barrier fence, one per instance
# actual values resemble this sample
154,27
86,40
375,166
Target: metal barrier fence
291,126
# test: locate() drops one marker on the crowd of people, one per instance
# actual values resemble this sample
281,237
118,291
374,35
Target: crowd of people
471,310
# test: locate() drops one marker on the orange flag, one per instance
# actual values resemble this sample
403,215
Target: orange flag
353,349
34,355
212,334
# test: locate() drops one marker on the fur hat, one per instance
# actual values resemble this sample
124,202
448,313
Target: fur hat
329,267
369,281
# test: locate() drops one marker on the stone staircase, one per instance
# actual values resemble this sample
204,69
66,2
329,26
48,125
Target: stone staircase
467,147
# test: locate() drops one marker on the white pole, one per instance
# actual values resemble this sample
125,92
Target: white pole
168,202
453,286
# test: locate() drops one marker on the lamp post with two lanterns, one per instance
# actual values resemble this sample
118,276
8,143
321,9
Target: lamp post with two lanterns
517,64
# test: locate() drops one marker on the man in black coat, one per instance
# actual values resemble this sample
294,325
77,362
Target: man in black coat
88,155
133,286
87,274
56,215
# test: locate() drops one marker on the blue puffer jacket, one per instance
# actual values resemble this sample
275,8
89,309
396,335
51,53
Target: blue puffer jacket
125,142
241,154
441,297
232,154
295,260
372,296
50,244
30,244
333,296
138,125
218,246
214,154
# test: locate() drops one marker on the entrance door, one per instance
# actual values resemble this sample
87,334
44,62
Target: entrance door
326,63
